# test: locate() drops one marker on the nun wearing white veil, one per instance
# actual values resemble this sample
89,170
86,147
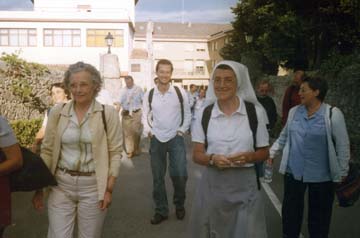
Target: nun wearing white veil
228,203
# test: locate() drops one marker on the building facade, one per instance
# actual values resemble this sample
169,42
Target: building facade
62,32
185,45
216,42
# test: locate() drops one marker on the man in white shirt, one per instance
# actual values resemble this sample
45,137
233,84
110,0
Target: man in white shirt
131,103
166,117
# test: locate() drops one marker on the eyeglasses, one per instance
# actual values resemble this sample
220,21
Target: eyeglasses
225,81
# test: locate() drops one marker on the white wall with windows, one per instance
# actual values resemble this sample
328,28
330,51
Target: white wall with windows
63,42
65,31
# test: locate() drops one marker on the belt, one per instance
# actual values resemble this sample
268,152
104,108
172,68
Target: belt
126,112
76,173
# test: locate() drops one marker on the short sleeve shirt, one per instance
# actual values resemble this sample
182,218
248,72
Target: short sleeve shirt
7,137
229,134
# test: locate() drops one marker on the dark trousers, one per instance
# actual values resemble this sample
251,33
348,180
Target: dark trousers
177,170
2,229
321,198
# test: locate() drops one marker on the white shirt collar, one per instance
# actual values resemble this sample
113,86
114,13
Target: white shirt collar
218,113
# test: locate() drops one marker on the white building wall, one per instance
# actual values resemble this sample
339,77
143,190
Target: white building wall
73,14
68,55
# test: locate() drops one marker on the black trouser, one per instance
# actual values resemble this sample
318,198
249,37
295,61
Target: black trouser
321,197
2,229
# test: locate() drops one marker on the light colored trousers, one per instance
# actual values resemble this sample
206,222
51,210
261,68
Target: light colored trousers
132,129
74,199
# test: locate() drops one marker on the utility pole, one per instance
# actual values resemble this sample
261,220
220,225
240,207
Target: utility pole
183,11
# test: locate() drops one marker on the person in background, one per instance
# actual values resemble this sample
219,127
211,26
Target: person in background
228,202
193,95
199,102
263,91
316,154
291,96
82,147
59,94
165,125
10,161
131,103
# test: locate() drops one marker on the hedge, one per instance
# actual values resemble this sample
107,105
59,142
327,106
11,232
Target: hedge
25,130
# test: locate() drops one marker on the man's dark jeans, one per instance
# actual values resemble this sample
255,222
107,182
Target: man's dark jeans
177,170
321,198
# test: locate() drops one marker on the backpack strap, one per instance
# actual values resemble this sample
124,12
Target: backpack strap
253,122
252,118
150,98
330,115
103,118
181,100
205,121
180,97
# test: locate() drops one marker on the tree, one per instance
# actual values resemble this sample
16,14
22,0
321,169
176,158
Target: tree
295,33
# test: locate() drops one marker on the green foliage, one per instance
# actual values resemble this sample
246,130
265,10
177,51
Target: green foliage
337,62
19,74
294,33
25,130
343,75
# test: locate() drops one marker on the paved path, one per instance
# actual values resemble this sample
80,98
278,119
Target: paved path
132,209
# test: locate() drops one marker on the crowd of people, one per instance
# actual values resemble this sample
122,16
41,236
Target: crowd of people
83,137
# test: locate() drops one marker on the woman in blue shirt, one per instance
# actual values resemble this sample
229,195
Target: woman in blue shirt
315,154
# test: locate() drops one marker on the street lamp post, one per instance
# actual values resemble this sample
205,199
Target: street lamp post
109,40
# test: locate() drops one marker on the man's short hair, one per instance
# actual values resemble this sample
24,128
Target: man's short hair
301,73
164,62
264,81
127,77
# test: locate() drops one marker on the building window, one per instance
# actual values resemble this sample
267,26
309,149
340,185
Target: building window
135,68
62,38
200,48
96,37
200,67
17,37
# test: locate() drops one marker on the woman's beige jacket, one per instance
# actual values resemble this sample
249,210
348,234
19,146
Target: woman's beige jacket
106,146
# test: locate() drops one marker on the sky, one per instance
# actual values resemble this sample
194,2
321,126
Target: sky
206,11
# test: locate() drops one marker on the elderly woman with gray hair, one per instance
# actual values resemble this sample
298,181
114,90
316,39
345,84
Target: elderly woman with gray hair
82,147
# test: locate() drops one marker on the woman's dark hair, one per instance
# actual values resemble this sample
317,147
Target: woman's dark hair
317,83
61,85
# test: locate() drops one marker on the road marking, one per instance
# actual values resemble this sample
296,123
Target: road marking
274,199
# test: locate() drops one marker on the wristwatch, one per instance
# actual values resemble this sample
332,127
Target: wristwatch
211,161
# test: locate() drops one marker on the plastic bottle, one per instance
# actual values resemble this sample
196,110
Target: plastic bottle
268,172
